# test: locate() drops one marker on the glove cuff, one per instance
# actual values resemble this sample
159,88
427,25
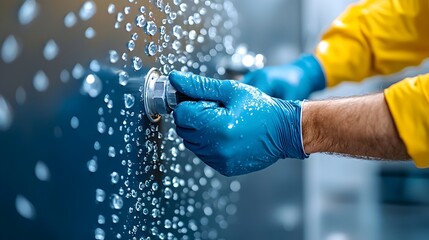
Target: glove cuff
290,131
312,70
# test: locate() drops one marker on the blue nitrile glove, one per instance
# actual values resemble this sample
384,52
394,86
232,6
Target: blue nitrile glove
236,128
295,81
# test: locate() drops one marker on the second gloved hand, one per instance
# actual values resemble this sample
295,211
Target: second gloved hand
236,128
295,81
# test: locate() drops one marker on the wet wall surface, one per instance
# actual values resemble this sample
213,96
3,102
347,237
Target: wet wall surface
79,159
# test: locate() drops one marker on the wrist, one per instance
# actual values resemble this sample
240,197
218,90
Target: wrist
312,71
311,131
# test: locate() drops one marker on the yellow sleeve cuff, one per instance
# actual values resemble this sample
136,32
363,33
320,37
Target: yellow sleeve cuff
408,102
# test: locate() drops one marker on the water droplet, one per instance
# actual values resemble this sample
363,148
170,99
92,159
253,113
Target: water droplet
114,177
90,33
101,127
137,63
168,193
151,28
235,186
74,122
189,48
208,211
127,9
123,78
183,7
70,20
42,172
116,202
28,12
97,145
129,100
167,8
135,36
24,207
51,50
131,45
95,66
151,49
99,234
177,31
167,223
115,218
92,85
128,27
174,151
64,76
125,56
77,71
101,219
166,38
181,147
20,95
6,116
87,10
111,8
113,56
100,195
192,35
92,165
120,17
40,81
176,45
155,212
112,152
171,134
126,138
10,49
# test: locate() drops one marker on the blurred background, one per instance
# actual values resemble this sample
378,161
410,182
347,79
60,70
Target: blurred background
79,159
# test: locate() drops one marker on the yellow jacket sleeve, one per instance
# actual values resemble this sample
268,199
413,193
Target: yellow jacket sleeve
408,102
375,37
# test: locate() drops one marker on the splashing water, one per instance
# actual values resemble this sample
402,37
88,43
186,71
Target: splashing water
123,78
51,50
24,207
40,81
70,20
151,28
10,49
151,49
92,85
74,122
137,63
42,172
129,100
87,11
113,56
6,116
116,201
28,12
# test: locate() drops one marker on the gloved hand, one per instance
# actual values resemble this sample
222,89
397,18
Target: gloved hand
236,128
295,81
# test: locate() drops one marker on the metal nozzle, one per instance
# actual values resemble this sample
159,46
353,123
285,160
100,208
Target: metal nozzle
159,96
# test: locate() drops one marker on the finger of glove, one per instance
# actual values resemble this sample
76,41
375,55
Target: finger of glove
200,87
190,135
257,79
196,115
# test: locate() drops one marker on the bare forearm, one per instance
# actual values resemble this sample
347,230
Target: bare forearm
359,126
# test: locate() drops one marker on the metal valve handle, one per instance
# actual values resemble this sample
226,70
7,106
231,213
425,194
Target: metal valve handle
159,96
